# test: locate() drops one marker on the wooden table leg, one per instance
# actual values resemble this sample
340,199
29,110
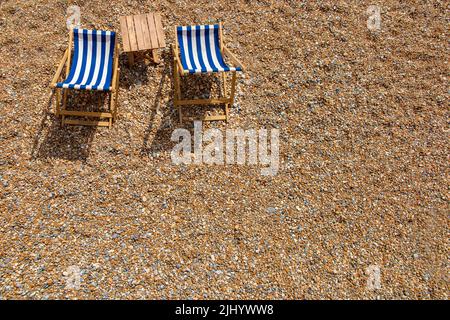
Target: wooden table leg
155,56
130,58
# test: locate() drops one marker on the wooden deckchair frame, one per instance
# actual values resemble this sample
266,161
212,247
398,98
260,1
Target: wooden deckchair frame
226,101
113,90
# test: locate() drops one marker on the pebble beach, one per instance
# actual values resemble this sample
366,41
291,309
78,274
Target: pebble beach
358,208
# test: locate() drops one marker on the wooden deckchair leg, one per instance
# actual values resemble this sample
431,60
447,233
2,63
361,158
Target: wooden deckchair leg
115,106
64,104
224,86
58,100
111,107
226,112
233,88
116,93
113,102
65,91
177,90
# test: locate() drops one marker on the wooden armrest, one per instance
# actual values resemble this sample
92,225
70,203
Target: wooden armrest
59,70
176,56
233,58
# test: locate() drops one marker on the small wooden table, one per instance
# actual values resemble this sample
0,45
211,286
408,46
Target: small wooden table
142,32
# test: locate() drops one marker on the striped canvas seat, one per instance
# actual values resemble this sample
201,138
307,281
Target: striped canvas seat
200,49
92,62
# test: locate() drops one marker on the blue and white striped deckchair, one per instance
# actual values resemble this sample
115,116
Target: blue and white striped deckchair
92,60
199,49
94,67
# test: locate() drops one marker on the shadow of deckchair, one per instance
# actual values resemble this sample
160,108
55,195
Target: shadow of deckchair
46,114
62,142
161,139
196,87
135,75
193,87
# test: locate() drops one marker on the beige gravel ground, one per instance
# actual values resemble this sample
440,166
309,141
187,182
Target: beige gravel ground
363,119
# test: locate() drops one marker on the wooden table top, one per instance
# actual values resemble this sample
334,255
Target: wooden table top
142,32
